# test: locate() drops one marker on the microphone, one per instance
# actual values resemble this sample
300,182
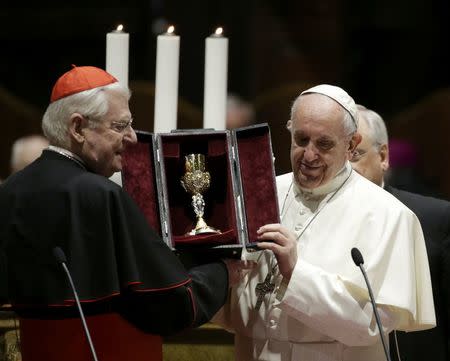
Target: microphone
359,261
61,259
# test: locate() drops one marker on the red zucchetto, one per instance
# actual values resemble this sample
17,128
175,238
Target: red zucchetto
79,79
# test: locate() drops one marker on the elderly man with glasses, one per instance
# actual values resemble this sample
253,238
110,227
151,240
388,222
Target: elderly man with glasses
132,287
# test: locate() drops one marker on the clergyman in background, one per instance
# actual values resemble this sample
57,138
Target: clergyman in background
371,159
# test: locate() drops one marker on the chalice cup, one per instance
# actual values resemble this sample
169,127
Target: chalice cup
196,181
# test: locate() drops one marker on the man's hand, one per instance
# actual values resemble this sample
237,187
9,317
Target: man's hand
283,245
237,270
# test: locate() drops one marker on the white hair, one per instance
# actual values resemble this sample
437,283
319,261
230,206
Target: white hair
375,124
92,103
348,121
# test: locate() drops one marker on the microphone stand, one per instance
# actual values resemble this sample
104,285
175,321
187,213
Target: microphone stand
59,254
359,262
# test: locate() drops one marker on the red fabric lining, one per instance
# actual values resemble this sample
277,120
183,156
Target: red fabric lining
140,182
256,166
219,199
223,238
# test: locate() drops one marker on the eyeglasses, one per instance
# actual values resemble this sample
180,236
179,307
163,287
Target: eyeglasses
121,126
357,155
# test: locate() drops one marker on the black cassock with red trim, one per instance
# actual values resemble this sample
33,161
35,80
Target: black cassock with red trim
118,263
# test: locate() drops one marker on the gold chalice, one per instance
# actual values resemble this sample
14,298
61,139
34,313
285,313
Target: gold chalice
196,181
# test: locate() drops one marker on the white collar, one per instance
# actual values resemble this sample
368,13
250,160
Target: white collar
68,154
325,189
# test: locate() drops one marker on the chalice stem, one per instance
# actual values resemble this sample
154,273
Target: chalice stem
198,203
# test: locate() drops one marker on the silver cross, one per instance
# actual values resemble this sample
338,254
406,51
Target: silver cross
262,289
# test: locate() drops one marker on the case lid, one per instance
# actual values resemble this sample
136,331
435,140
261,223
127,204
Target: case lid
256,177
139,178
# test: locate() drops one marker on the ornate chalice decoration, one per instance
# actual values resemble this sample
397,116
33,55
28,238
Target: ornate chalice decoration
196,181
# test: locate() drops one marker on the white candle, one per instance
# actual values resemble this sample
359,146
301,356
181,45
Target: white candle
117,47
166,81
215,91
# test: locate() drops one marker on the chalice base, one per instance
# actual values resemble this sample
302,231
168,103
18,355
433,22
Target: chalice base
206,230
202,228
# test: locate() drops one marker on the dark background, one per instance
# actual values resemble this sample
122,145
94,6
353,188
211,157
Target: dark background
392,56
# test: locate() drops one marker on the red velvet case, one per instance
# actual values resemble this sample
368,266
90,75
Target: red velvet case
242,194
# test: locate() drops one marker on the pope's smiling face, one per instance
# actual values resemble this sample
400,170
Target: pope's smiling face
319,143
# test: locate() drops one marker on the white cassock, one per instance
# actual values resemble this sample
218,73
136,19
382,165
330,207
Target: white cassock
324,312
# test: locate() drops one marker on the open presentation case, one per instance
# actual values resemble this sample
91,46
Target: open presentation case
240,198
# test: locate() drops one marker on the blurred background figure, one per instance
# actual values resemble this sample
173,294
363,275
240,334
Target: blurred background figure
240,113
25,150
403,168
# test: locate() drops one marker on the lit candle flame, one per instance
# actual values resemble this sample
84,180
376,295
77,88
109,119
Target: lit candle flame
120,27
219,31
170,29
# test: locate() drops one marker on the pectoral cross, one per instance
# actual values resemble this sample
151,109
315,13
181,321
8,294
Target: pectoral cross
262,289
